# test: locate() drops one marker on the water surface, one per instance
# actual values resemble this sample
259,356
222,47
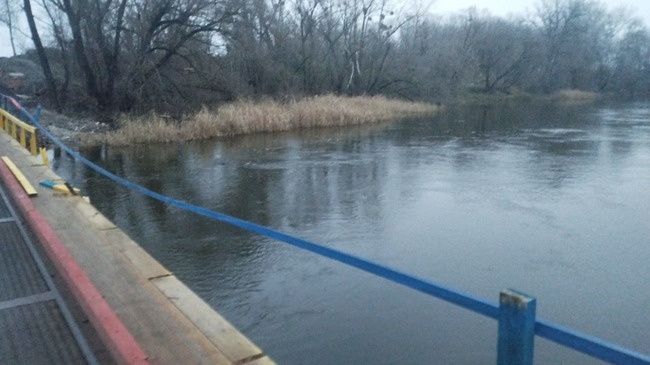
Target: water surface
550,200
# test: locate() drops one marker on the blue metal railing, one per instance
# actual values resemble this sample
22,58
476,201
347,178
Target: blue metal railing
504,312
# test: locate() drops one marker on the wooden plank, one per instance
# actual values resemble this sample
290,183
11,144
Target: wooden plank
219,331
164,333
261,361
141,260
26,185
95,218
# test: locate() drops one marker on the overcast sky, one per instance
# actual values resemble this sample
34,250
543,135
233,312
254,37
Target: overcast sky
639,8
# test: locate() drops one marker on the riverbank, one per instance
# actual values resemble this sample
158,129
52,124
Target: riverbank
561,96
244,117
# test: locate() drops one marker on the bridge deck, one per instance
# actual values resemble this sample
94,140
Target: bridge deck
170,323
36,325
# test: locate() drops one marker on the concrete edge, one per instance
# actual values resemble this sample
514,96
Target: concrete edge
116,336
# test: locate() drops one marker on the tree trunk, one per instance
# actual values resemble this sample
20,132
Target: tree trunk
42,56
80,50
10,25
11,39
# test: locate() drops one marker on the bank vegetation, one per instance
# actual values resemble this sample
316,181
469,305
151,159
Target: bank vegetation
245,117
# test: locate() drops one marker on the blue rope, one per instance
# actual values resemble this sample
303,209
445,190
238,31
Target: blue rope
456,297
583,343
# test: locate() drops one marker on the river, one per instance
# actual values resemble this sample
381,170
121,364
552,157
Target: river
552,200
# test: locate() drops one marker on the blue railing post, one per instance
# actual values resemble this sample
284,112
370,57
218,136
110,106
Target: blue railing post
516,328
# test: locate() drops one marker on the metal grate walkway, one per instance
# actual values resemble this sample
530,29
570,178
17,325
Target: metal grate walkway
36,326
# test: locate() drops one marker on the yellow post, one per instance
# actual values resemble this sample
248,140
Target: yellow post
14,135
32,145
46,160
23,138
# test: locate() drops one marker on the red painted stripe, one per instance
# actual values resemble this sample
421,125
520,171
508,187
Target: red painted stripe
115,335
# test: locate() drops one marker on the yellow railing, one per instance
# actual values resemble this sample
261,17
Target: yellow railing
19,130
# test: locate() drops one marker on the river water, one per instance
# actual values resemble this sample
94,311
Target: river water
551,200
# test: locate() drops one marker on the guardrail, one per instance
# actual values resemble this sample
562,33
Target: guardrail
19,130
515,312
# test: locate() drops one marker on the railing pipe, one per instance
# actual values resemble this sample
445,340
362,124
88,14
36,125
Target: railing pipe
589,345
19,129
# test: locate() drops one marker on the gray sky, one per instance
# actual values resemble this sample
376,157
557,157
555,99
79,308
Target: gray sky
639,8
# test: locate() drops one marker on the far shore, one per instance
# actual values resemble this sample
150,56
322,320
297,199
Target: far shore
560,96
245,117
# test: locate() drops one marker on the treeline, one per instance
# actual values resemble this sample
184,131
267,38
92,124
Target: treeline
174,55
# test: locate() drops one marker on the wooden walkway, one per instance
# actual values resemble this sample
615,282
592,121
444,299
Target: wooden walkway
170,323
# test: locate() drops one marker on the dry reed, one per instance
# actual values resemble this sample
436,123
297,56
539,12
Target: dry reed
570,95
265,116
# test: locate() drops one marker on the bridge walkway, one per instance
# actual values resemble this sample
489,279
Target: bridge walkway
170,322
37,325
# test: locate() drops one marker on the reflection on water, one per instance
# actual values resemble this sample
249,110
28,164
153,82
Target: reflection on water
550,200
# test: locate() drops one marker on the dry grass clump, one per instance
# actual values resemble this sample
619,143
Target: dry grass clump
569,95
265,116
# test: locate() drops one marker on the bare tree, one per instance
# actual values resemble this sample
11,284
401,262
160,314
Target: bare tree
8,13
308,20
631,73
119,46
503,51
571,33
135,55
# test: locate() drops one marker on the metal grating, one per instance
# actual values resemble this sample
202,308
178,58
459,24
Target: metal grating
4,211
37,334
36,326
19,275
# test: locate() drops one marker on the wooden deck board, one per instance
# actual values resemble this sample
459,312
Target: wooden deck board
261,361
95,218
160,328
146,264
233,344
